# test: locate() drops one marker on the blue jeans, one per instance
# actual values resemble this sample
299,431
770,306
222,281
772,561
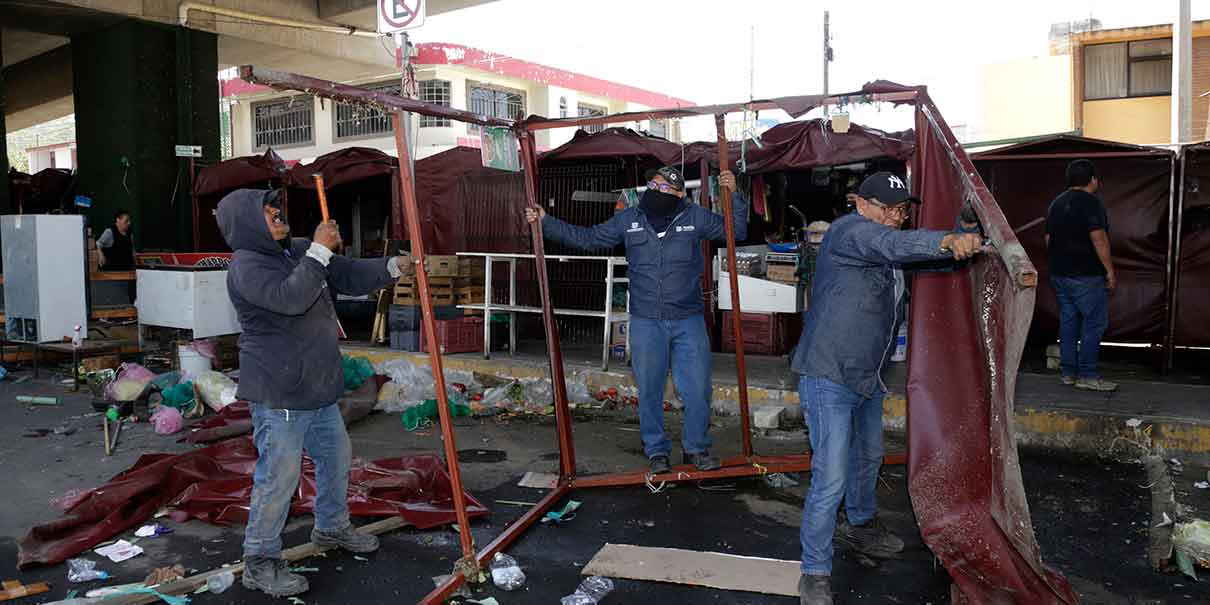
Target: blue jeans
846,453
281,436
683,344
1083,318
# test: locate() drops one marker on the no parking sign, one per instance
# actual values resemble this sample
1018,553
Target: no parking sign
399,15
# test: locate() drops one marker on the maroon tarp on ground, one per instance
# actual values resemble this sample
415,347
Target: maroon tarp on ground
1193,286
215,484
1136,195
963,473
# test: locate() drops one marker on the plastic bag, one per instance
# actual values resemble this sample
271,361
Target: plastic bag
577,389
591,591
211,386
183,398
416,416
506,574
166,380
206,348
84,570
167,420
130,381
357,371
219,583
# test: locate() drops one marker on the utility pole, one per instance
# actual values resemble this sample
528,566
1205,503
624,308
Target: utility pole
407,82
827,51
1182,75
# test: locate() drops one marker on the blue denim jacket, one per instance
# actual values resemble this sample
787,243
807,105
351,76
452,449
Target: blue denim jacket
665,273
855,305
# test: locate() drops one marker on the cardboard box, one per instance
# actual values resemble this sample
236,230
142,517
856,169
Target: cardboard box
619,333
783,273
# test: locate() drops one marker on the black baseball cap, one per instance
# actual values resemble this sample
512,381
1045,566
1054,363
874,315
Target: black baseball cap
887,188
673,176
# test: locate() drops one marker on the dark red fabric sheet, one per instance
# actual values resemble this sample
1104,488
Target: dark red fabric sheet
239,173
967,334
1193,286
215,484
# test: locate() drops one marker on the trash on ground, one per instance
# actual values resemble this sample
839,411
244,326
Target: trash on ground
360,558
463,591
1202,485
220,582
416,416
14,589
152,530
84,570
506,574
183,397
567,513
538,480
708,569
357,370
167,420
780,480
487,601
590,592
1193,540
1134,423
129,382
216,389
37,400
516,503
161,575
477,455
120,551
296,601
304,570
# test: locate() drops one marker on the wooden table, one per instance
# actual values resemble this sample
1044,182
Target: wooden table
88,348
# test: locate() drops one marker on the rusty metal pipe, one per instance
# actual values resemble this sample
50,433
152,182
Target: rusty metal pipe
741,364
412,214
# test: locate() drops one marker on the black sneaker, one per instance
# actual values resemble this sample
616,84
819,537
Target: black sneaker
273,577
703,461
659,465
815,590
871,538
348,539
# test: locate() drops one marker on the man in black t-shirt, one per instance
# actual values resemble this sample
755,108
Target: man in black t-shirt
1081,272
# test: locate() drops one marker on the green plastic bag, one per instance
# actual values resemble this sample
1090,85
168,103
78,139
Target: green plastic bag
357,371
415,417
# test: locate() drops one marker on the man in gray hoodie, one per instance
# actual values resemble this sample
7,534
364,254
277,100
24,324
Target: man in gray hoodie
291,371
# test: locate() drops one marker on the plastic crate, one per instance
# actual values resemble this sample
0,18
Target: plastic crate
463,335
405,340
406,318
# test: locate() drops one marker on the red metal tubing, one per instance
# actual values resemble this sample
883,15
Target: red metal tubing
567,449
507,537
741,364
412,212
732,468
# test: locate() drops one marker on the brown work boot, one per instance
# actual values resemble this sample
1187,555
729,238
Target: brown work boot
815,590
273,577
871,538
348,539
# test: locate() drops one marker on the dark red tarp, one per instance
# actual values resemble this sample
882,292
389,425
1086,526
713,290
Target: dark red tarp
613,143
443,207
215,484
46,191
967,334
1193,268
1136,193
239,173
342,167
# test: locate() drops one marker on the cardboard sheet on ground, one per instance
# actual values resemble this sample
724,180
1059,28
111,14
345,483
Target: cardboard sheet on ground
709,569
214,484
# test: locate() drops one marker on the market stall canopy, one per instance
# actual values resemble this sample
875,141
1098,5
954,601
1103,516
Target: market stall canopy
238,173
612,143
342,167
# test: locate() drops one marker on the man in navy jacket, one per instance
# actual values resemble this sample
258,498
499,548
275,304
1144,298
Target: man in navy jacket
663,236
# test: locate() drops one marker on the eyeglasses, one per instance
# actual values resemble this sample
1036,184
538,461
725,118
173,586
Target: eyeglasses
661,187
900,210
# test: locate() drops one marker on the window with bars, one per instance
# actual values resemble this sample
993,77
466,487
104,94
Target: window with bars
658,128
1128,69
436,92
589,111
358,122
284,122
493,102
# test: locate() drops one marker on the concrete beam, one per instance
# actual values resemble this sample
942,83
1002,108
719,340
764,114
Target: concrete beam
360,13
39,89
19,45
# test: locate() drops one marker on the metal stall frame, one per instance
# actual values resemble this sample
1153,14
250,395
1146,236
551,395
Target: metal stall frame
747,465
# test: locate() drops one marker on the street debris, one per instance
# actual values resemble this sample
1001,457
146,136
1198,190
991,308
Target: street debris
14,589
120,551
780,480
590,592
463,591
152,530
506,573
567,513
161,575
220,582
84,570
538,480
37,400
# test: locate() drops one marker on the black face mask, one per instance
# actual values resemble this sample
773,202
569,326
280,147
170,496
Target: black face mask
659,203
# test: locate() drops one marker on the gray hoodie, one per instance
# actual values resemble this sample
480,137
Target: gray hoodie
289,351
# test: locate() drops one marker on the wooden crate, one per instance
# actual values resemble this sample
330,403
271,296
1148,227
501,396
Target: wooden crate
409,296
783,273
440,265
451,282
471,266
471,295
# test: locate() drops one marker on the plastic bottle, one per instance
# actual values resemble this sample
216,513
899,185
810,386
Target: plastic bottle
506,574
900,344
76,338
219,583
84,570
591,591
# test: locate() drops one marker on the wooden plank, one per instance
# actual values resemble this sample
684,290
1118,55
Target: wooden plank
112,276
15,590
192,583
709,569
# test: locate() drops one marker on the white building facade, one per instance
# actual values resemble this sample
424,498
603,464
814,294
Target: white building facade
300,127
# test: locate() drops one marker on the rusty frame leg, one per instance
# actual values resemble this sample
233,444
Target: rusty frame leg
741,365
412,214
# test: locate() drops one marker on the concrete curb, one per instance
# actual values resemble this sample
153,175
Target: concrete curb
1101,434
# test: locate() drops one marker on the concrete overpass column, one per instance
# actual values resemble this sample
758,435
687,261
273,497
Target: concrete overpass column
5,202
141,89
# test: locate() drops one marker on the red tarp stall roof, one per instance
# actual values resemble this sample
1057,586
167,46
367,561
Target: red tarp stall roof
239,173
1136,190
342,167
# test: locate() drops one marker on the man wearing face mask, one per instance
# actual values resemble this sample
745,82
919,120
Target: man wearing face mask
291,371
849,330
663,236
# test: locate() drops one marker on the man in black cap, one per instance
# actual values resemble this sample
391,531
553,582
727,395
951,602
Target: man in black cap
849,330
663,236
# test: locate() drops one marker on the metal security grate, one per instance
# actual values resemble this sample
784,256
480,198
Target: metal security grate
436,92
494,102
284,122
353,121
591,111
